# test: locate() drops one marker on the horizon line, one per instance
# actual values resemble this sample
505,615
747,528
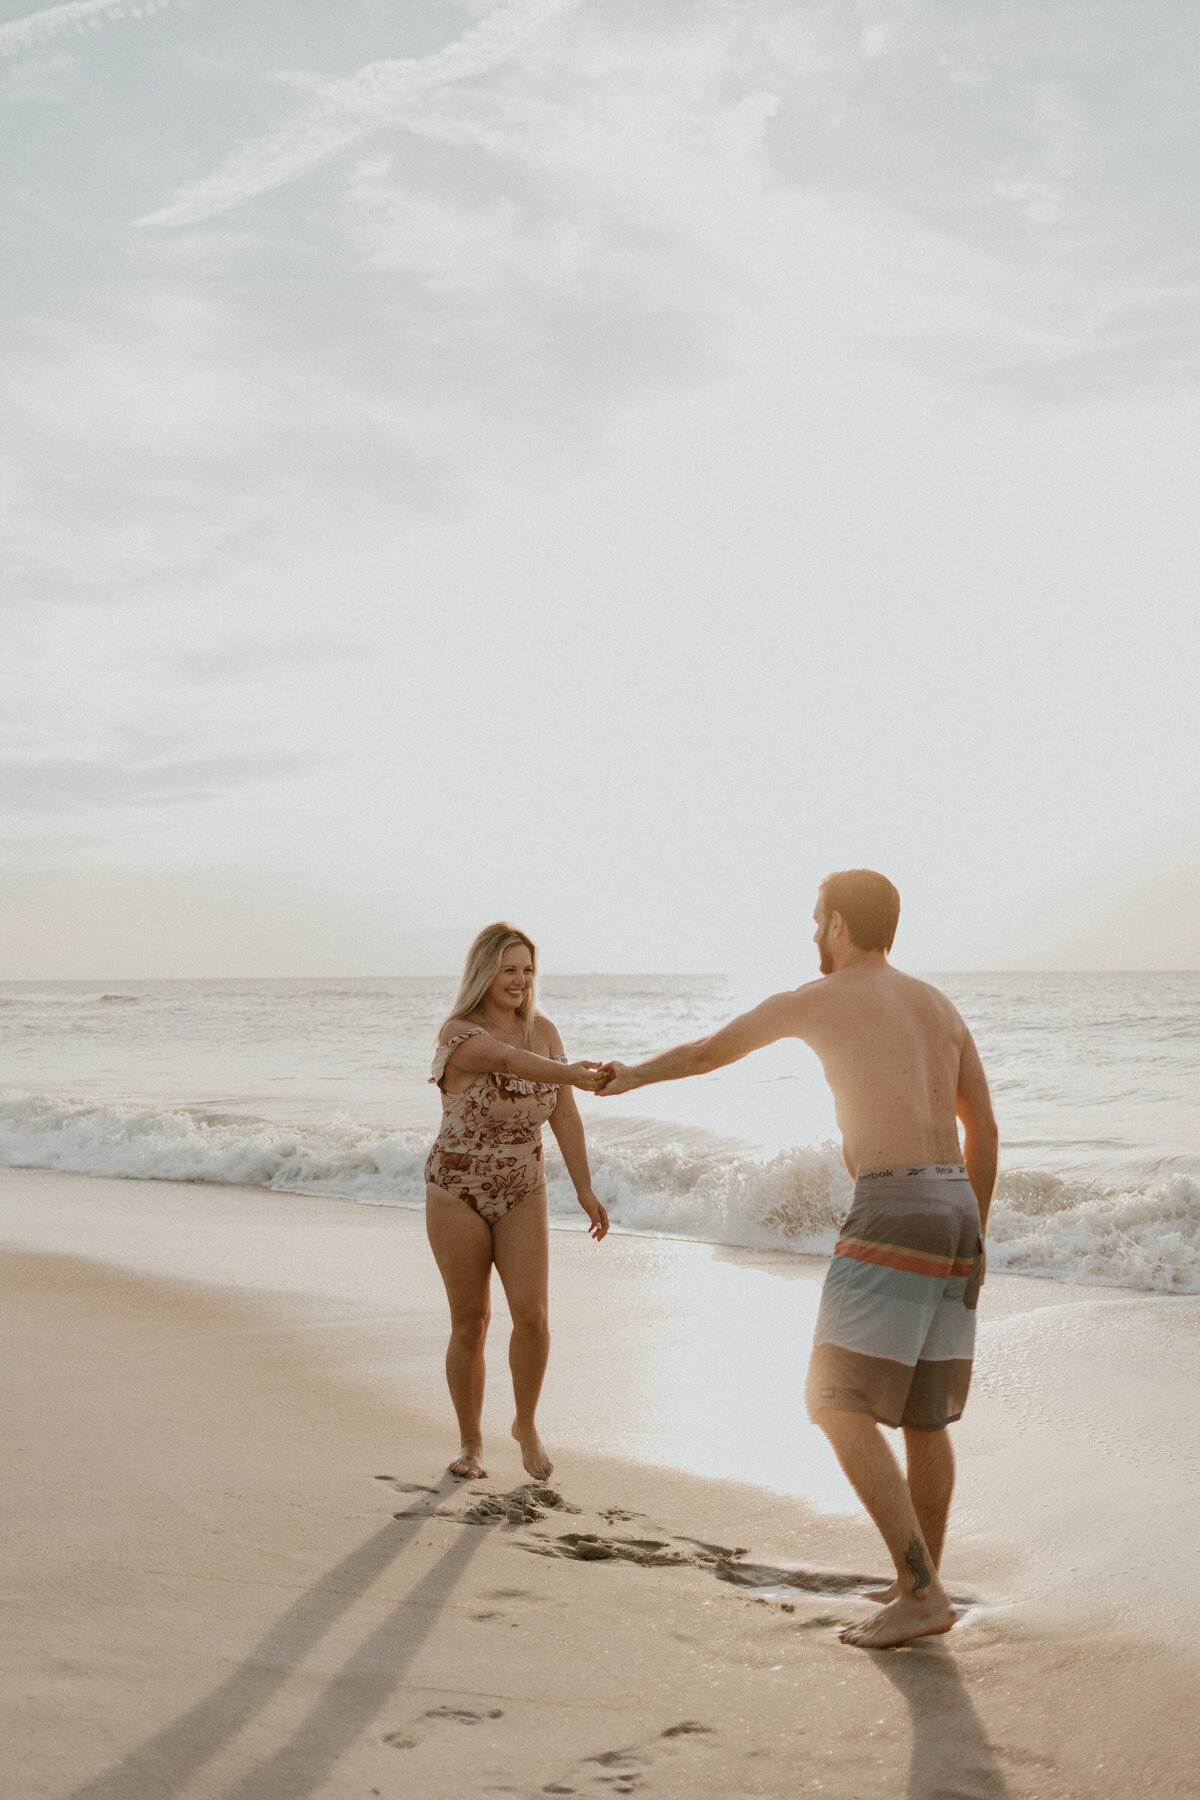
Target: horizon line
559,974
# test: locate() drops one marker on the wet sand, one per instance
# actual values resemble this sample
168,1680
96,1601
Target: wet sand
234,1566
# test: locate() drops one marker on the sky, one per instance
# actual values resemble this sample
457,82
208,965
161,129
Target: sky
602,465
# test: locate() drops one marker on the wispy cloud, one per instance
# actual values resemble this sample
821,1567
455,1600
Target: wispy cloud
1044,159
501,300
505,265
248,659
342,112
115,782
58,21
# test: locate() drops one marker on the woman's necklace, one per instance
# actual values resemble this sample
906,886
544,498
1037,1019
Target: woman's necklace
496,1030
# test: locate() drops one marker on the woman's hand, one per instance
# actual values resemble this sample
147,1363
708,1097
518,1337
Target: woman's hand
617,1078
596,1213
587,1075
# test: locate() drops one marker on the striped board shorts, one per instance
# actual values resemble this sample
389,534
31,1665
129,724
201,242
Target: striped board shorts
896,1327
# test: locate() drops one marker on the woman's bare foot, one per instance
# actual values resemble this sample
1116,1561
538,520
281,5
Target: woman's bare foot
881,1596
533,1452
902,1620
468,1466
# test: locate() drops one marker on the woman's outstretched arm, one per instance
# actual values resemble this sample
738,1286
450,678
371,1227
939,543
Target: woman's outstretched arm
482,1054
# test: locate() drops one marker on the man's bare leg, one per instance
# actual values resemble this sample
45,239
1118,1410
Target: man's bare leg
930,1461
921,1607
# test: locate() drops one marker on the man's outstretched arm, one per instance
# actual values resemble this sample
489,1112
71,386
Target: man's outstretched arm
778,1017
981,1140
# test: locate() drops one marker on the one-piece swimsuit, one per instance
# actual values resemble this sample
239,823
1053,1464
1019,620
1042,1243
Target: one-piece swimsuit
489,1149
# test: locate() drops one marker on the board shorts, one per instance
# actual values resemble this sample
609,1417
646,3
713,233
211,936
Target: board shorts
895,1332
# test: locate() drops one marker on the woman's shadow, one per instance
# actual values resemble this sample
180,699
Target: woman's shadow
951,1756
347,1705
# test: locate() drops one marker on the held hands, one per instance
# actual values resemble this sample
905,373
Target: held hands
605,1078
587,1075
618,1078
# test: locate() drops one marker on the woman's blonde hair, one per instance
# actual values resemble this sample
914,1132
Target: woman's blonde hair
484,961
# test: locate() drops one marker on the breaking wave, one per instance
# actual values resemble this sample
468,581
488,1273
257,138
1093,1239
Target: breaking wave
1145,1235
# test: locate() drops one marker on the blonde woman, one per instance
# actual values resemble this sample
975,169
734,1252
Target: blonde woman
502,1072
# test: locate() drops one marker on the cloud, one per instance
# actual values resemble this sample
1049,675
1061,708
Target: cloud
118,781
342,112
455,296
56,21
248,659
1045,157
373,285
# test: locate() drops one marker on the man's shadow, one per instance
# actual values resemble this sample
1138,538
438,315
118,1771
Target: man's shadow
951,1756
351,1700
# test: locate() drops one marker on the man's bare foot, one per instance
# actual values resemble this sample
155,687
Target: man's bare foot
533,1452
468,1466
902,1620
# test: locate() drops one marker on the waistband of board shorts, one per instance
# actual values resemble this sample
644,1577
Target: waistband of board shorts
914,1172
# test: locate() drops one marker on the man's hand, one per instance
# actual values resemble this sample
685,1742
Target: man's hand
586,1075
619,1078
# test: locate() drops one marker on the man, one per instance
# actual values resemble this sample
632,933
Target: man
896,1327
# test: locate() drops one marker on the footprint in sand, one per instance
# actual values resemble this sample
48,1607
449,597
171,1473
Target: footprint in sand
456,1715
649,1553
462,1715
406,1487
519,1506
623,1770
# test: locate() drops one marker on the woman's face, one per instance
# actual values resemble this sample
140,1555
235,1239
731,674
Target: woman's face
516,974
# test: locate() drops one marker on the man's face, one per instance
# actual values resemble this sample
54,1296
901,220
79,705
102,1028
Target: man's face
821,939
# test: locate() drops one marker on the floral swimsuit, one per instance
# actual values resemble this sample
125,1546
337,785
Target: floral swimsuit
489,1149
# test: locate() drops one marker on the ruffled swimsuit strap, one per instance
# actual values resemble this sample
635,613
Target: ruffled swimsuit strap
443,1053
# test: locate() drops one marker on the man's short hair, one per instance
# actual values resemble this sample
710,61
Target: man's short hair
867,901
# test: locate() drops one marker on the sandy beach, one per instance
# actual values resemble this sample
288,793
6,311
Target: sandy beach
234,1566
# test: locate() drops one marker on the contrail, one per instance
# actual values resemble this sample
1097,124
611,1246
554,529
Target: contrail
345,110
27,33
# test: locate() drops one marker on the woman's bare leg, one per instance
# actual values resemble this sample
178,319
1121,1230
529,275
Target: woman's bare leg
462,1247
521,1249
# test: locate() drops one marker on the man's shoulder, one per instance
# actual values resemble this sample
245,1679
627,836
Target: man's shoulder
886,988
927,995
795,1010
799,1000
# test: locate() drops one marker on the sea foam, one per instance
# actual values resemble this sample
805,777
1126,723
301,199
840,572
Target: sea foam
1144,1236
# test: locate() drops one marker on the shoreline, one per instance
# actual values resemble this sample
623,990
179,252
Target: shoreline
1045,1226
207,1384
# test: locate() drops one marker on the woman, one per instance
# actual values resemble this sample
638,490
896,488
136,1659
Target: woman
502,1071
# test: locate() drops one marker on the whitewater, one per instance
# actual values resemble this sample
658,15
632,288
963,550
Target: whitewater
319,1087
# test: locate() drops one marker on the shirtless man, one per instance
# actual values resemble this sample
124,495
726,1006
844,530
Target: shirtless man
896,1327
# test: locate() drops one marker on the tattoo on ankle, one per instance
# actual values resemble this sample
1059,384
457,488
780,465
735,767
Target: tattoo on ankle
914,1559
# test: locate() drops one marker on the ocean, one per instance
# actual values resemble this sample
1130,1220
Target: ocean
319,1087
